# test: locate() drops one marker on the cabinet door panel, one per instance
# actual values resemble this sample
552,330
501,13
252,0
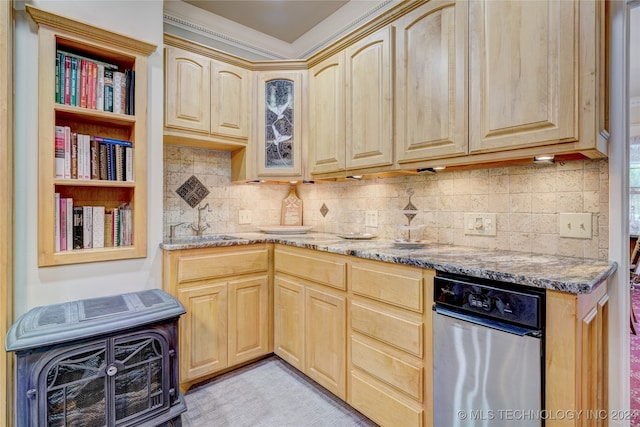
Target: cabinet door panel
431,105
325,320
522,88
203,330
187,90
230,96
248,319
369,97
327,123
288,318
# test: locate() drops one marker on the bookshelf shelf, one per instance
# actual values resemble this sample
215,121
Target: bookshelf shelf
124,233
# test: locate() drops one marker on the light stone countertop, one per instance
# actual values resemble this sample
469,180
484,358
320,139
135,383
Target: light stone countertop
568,274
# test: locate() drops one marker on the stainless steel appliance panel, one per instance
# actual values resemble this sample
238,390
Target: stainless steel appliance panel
484,376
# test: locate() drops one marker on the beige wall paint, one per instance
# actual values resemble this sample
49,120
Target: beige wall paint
525,199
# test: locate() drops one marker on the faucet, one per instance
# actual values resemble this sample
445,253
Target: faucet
172,229
202,224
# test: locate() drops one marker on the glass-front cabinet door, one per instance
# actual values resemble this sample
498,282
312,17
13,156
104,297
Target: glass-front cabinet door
279,124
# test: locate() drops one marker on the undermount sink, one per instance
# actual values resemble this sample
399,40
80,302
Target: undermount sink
205,238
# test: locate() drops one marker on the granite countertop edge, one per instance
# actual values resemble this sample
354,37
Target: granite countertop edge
561,273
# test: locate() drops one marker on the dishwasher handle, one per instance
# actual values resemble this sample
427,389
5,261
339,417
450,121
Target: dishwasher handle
489,323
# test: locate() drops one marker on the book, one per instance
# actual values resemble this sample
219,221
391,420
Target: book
87,227
73,81
102,148
116,227
128,162
69,220
100,87
108,228
118,84
131,81
67,80
95,159
83,83
107,140
98,226
119,158
59,152
87,157
63,223
58,57
108,90
110,161
74,155
78,228
56,222
67,152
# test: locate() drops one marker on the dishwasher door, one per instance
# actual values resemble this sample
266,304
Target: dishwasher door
484,376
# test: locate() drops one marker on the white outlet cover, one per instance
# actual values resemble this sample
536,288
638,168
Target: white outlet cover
480,224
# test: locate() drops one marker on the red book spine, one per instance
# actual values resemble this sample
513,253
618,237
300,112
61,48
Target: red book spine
93,80
67,80
83,84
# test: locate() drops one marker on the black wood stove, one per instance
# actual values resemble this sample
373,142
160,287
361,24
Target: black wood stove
108,361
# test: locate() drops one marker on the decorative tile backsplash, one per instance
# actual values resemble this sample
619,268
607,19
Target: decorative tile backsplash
525,199
192,191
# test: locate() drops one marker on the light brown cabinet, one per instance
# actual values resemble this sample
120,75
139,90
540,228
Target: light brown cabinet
57,33
327,116
310,314
226,295
389,369
207,100
369,100
431,105
577,356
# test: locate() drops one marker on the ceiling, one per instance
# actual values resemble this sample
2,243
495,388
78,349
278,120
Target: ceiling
286,20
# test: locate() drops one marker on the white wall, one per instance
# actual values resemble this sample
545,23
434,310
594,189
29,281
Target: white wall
39,286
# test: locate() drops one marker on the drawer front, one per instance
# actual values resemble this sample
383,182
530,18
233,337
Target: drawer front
313,266
222,263
400,286
383,407
403,376
387,327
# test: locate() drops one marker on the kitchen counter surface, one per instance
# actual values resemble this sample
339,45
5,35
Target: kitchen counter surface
567,274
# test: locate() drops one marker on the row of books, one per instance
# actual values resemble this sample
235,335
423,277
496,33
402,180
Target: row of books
87,227
89,83
80,156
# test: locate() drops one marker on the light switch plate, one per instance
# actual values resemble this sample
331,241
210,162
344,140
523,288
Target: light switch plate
480,224
576,225
371,219
244,217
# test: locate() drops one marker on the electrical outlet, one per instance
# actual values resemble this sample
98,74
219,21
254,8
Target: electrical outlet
244,217
480,224
576,225
371,219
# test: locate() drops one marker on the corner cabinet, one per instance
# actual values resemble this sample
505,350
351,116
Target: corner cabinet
208,97
75,112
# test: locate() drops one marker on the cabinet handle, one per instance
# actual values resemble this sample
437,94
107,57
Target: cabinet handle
112,370
32,393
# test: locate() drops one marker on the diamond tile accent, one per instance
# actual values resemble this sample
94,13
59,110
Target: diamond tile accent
324,210
192,191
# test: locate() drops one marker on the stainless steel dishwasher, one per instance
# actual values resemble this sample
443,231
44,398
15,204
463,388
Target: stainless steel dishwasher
488,353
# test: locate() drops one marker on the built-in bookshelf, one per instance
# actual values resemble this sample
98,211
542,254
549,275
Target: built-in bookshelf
92,145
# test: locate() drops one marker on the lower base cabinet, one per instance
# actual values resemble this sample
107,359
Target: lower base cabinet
310,309
226,295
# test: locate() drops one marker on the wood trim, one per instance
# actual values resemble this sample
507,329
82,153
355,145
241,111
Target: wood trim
6,207
95,34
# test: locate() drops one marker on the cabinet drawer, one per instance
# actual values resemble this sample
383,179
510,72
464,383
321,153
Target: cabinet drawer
382,406
400,286
391,370
208,265
312,265
388,327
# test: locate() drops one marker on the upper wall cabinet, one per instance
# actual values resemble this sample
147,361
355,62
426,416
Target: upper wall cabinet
431,69
327,110
208,100
369,101
279,125
533,77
